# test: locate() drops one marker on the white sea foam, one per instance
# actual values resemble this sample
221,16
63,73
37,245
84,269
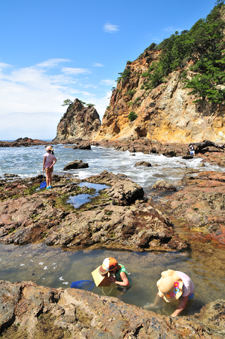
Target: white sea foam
27,162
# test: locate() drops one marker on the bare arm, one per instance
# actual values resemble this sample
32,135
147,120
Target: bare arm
181,306
54,161
44,159
124,282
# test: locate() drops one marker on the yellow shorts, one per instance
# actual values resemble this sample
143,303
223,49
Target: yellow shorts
48,170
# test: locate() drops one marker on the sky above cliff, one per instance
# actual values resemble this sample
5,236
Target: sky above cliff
54,50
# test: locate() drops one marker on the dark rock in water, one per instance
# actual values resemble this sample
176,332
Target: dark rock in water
23,142
82,146
187,157
32,311
75,165
143,163
163,185
8,175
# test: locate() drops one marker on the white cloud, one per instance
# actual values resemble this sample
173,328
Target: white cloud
72,71
96,64
3,66
109,28
52,62
108,82
31,98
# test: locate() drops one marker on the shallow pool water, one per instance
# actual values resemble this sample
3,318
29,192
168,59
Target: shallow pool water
80,199
57,268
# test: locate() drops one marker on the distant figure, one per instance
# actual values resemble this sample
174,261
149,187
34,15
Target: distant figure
172,286
118,273
48,163
192,150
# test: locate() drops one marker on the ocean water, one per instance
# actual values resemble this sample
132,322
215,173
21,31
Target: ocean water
27,162
57,268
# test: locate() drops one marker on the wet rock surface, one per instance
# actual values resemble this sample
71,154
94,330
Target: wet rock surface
75,165
200,205
118,218
29,311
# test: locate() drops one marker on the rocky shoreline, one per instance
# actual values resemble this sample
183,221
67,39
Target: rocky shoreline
120,217
29,311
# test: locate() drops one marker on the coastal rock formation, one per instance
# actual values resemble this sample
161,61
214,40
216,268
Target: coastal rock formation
200,205
31,311
23,142
79,122
166,113
75,164
118,218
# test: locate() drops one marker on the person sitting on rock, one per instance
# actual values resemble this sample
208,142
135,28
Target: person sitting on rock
172,286
192,150
118,273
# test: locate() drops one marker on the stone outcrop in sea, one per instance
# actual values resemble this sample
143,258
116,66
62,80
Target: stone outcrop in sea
79,122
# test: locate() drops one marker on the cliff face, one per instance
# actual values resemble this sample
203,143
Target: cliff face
167,113
78,122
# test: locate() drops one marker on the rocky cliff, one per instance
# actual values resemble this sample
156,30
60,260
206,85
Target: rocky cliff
174,91
165,113
78,122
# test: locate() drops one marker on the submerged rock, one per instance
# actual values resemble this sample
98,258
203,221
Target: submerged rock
31,311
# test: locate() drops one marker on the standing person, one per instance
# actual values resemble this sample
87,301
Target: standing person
48,163
172,286
118,273
192,150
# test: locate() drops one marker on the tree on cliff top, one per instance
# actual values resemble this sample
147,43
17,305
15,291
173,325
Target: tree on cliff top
67,102
203,45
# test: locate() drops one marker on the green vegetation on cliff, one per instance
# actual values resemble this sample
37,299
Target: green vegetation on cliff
203,47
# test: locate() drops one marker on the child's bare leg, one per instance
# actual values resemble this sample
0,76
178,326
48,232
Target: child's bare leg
156,303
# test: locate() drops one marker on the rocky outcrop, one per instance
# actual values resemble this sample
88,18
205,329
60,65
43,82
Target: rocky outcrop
200,205
23,142
33,312
118,218
75,164
78,122
166,113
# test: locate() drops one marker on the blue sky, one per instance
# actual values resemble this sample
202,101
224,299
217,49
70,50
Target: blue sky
54,50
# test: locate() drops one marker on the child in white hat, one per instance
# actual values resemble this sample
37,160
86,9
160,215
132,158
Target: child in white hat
174,285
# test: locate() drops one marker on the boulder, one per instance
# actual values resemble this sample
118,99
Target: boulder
82,146
163,185
76,164
143,163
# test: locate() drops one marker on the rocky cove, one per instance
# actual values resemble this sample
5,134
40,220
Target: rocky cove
122,217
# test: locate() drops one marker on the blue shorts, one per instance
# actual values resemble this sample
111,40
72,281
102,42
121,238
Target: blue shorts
192,153
191,297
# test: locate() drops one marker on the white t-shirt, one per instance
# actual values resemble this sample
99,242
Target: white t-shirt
188,287
49,159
